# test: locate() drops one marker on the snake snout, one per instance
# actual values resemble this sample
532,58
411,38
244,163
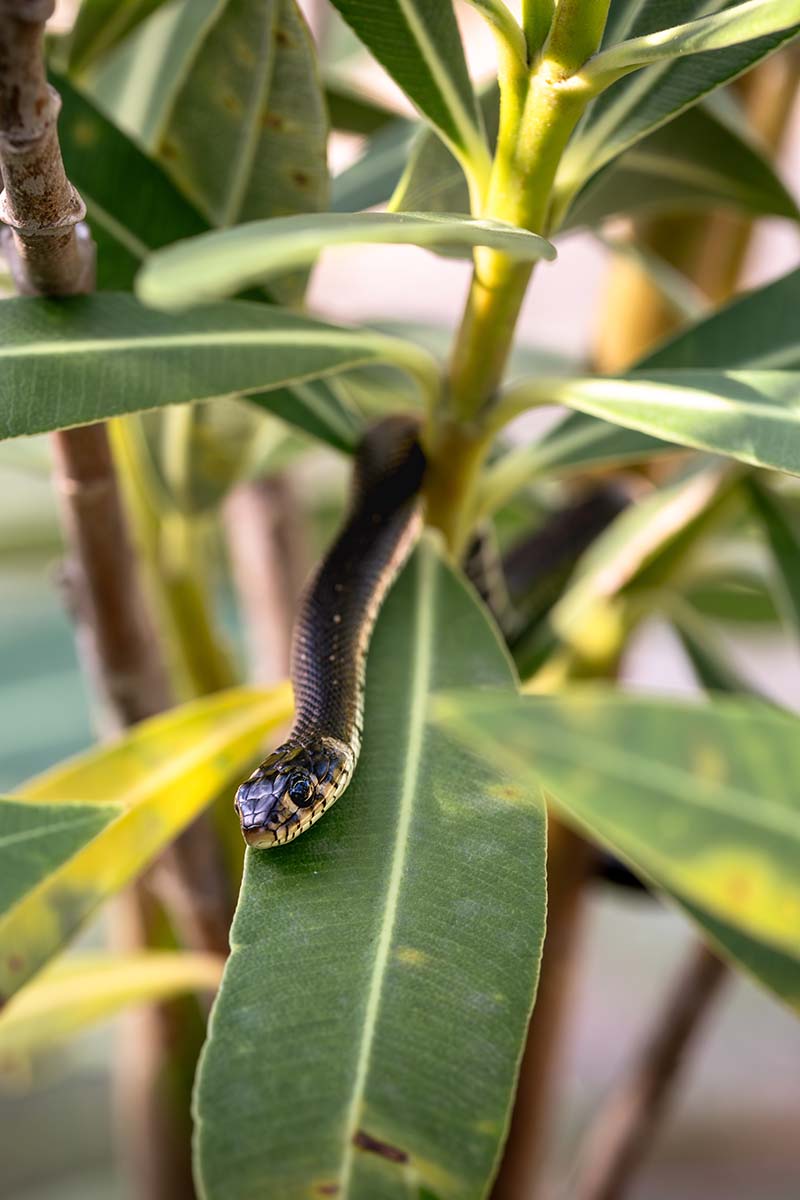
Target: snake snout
256,803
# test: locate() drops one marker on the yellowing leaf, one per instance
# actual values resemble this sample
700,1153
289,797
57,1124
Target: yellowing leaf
74,994
77,834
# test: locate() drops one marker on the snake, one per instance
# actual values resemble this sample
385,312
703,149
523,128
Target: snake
300,780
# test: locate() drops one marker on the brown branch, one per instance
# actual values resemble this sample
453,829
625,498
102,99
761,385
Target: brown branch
570,862
51,253
623,1131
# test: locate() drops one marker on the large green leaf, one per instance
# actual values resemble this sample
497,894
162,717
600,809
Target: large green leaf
701,799
394,948
753,416
132,205
79,833
232,105
640,103
417,41
220,264
71,362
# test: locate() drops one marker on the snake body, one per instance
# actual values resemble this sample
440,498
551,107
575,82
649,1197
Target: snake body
300,780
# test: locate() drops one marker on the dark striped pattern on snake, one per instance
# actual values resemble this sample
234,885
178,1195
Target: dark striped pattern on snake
300,780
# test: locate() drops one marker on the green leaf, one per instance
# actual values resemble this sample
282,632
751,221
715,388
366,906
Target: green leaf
753,416
234,109
102,24
223,263
132,206
71,362
784,540
717,31
695,161
418,43
74,994
79,833
635,106
710,659
700,799
396,944
756,330
352,112
759,330
372,178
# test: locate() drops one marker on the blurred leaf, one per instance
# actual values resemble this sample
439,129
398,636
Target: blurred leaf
234,111
425,881
677,290
784,540
708,656
352,112
695,161
73,994
418,43
101,24
643,546
701,799
74,361
79,833
759,330
219,264
132,206
715,31
370,180
736,595
637,105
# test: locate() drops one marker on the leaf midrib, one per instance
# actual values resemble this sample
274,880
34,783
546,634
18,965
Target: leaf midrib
418,710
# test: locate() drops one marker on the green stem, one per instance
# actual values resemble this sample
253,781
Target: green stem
576,33
198,662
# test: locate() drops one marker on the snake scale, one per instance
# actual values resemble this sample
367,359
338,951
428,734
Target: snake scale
303,777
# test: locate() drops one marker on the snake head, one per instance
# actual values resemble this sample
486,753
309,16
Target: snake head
292,789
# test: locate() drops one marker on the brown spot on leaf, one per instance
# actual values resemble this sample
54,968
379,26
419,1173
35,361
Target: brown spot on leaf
271,120
365,1141
301,179
168,149
328,1189
232,104
282,38
15,962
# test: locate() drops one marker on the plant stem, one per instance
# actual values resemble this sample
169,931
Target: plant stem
622,1132
576,33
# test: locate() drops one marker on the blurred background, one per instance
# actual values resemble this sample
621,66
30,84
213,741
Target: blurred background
733,1131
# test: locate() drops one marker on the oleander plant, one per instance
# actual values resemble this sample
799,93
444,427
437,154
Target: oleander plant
381,1012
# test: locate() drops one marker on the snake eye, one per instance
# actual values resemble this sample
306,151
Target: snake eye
300,790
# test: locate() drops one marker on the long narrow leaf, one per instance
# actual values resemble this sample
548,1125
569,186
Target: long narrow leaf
420,893
717,31
418,43
76,993
220,264
71,362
